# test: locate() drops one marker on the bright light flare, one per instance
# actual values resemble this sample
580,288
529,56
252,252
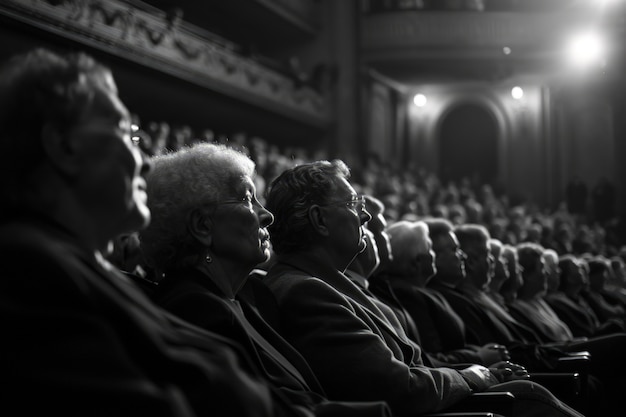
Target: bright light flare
517,92
420,100
586,49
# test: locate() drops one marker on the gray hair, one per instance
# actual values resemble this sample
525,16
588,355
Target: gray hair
472,236
406,238
180,182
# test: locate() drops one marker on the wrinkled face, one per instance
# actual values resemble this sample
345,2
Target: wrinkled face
483,264
449,259
110,182
515,274
345,221
577,278
239,226
378,226
426,259
537,281
553,272
501,269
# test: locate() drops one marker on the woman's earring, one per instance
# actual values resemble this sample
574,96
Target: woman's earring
208,259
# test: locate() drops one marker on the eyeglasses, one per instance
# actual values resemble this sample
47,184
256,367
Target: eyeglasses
355,203
247,201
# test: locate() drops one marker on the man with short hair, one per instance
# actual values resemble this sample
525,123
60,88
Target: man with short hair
530,304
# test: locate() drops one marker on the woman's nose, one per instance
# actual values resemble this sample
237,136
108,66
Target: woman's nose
265,217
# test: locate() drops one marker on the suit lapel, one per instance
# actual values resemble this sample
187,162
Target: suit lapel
357,298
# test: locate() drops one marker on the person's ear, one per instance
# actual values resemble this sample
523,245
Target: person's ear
60,150
200,226
318,220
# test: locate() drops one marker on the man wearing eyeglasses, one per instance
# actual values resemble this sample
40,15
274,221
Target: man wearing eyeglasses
354,349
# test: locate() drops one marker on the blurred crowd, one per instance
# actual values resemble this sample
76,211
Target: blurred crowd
578,225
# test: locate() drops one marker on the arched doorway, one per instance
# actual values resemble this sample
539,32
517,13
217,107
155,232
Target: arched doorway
468,144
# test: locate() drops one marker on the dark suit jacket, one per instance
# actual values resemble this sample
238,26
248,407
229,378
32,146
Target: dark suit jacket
602,307
351,345
195,298
482,325
79,339
580,318
441,330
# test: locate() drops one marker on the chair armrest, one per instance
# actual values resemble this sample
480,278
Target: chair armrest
581,353
467,414
563,385
498,403
572,364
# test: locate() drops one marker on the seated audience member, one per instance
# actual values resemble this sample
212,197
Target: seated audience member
441,332
208,232
365,263
616,284
500,271
511,286
571,307
553,270
378,225
351,345
530,305
603,303
79,339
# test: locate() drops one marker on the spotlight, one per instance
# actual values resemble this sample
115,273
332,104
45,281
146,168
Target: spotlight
420,100
586,49
517,92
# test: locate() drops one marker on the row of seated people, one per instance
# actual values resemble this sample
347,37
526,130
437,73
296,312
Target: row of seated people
471,291
204,248
81,338
255,182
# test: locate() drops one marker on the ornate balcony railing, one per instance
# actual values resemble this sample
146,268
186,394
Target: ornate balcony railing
141,33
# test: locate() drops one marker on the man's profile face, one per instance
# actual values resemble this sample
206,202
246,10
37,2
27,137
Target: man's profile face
345,224
501,269
427,257
449,259
110,183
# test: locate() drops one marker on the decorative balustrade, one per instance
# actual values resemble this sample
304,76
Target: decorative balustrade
141,33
